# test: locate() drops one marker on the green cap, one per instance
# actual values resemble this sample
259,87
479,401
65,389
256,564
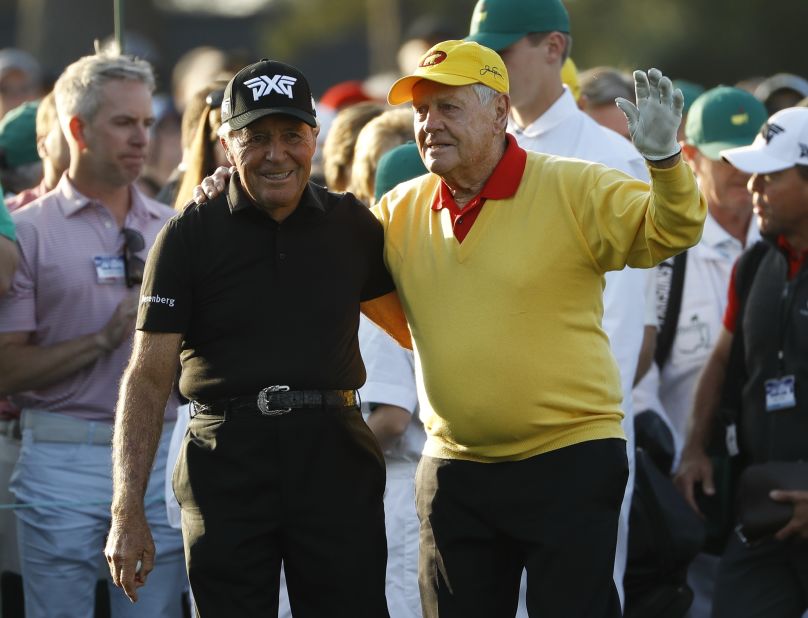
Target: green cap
18,135
722,118
398,165
500,23
690,91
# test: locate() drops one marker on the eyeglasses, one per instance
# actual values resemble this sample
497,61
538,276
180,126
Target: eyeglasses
133,265
215,98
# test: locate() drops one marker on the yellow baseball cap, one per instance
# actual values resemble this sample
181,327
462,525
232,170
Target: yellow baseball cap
454,63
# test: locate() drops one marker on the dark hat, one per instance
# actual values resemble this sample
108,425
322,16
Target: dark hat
264,88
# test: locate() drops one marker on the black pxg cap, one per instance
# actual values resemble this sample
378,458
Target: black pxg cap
264,88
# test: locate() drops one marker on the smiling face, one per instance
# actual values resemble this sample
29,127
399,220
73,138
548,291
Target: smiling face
273,157
456,133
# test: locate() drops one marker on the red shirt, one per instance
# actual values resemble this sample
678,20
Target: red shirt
795,262
503,183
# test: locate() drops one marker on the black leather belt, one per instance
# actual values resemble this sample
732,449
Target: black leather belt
277,400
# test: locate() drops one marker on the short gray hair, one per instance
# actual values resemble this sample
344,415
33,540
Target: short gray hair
78,89
485,94
602,85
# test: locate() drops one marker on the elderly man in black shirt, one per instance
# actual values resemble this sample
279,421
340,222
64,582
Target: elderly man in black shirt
259,293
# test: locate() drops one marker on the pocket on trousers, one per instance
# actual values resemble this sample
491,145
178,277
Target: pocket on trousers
362,437
201,435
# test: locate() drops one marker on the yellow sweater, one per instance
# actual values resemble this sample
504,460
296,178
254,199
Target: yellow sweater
507,325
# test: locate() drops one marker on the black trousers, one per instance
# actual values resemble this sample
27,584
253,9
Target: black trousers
769,580
305,488
554,514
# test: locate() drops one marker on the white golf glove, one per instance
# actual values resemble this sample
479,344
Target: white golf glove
654,121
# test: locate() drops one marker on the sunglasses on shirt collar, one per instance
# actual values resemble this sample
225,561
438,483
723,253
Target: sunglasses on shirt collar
133,265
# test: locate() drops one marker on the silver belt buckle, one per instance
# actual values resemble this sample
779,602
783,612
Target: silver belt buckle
263,400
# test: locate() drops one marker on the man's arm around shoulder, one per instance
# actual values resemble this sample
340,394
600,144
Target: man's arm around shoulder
387,313
145,387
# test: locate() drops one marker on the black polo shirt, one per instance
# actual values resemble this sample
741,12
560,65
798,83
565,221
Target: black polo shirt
260,302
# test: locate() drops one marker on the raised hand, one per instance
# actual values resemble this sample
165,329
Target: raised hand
654,121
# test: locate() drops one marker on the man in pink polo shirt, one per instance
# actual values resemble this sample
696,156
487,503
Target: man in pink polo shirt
65,337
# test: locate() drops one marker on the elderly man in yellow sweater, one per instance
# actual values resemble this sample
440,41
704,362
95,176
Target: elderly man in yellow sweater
499,256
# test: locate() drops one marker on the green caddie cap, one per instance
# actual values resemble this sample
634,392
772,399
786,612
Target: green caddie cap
500,23
723,118
18,135
400,164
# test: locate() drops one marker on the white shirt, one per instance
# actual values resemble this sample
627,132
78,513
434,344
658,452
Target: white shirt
704,299
391,381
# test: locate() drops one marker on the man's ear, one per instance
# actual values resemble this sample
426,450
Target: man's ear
76,127
502,106
227,153
41,149
556,46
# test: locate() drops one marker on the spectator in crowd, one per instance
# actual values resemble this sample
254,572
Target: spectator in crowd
20,167
332,102
203,107
165,150
52,149
600,86
533,38
484,479
781,90
20,79
767,578
282,373
195,68
720,118
338,150
202,153
66,333
391,128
